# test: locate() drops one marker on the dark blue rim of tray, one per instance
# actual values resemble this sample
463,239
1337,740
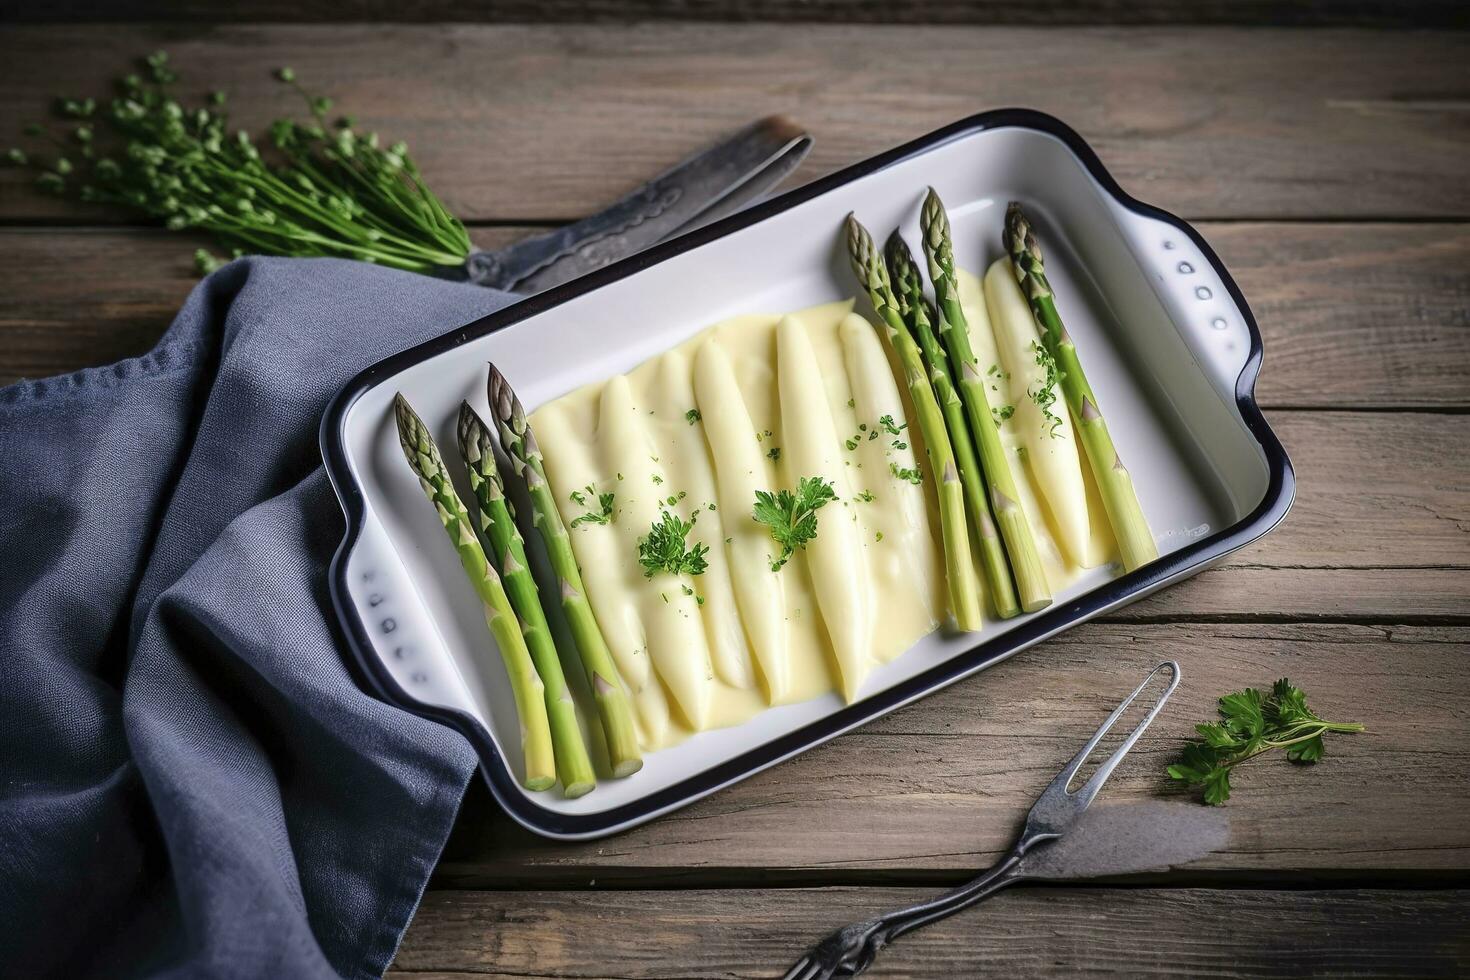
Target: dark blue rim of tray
1272,508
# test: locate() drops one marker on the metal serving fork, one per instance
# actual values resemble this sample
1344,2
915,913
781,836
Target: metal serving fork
851,950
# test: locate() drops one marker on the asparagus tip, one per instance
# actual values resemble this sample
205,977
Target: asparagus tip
933,209
934,222
502,397
410,427
467,432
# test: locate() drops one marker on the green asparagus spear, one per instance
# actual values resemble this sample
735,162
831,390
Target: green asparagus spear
502,542
526,686
964,585
614,707
954,329
1115,484
908,287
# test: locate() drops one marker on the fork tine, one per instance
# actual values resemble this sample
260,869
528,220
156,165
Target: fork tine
1089,790
804,969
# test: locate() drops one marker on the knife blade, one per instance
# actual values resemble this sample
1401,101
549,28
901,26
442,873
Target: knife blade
707,186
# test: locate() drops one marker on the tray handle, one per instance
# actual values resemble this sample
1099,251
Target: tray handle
404,649
1191,282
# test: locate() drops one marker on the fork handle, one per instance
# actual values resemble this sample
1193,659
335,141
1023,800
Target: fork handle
851,950
1001,875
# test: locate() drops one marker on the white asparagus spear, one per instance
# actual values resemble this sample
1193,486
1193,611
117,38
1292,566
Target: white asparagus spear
741,469
1050,443
665,602
834,557
609,564
682,440
898,507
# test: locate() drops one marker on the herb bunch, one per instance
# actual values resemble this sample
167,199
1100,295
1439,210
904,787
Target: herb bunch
322,188
792,517
666,548
1252,724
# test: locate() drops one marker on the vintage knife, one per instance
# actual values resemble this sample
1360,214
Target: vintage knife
704,188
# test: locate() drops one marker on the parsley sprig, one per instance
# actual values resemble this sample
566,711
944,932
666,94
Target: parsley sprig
792,517
666,548
1251,724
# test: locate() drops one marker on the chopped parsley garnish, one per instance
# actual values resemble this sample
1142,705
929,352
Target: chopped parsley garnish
792,517
1003,413
1046,395
913,476
657,480
692,416
866,497
774,453
604,513
666,549
889,426
851,444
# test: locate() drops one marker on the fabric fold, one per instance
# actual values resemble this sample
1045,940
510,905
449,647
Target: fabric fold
191,781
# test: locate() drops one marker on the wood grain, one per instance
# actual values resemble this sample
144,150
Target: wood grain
1021,933
1363,595
80,297
1380,528
939,788
542,122
1053,13
1361,315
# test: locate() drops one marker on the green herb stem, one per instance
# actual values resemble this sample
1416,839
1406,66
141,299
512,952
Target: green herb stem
328,191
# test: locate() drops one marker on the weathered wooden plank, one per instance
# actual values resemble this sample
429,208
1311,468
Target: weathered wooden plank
544,122
80,297
1377,496
1261,13
939,788
1362,315
1024,932
1356,315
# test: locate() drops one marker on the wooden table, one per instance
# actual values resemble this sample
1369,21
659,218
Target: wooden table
1329,169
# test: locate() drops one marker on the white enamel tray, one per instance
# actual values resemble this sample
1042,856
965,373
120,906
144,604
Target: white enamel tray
1170,347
